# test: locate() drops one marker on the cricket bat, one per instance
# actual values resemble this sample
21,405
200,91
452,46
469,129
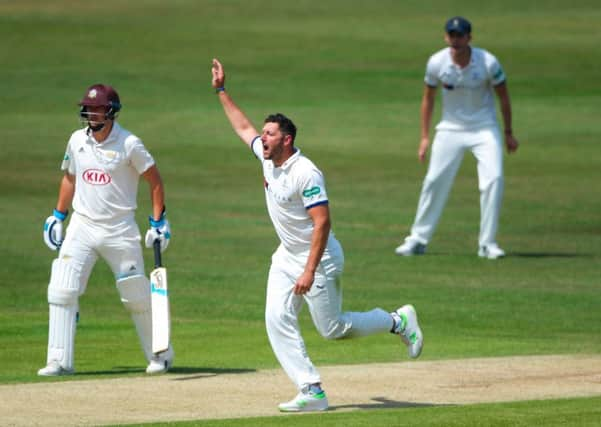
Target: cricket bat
161,319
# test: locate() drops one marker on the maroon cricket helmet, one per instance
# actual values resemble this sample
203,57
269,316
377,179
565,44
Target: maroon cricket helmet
101,95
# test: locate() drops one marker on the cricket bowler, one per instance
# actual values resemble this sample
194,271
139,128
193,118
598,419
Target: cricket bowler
308,263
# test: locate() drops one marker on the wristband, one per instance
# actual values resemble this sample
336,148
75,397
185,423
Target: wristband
60,215
159,222
220,89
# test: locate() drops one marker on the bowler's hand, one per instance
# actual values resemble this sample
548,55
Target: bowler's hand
511,143
218,74
303,283
423,149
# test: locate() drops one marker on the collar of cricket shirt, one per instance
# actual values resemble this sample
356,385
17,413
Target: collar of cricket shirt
291,159
111,137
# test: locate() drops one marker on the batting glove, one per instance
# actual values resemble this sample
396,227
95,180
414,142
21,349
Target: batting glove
158,230
53,229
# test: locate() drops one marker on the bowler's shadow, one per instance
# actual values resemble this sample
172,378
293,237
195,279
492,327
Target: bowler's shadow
381,403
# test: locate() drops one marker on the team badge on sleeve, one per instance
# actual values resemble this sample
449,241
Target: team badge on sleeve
314,195
313,191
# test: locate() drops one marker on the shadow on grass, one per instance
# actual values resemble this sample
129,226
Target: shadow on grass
382,403
516,255
201,372
546,255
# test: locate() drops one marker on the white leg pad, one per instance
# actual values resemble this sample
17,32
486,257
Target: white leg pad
135,296
63,294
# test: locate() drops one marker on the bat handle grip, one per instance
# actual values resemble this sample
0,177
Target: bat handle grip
156,245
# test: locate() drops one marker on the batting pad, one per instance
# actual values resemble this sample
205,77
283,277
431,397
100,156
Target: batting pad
63,288
63,292
61,335
135,296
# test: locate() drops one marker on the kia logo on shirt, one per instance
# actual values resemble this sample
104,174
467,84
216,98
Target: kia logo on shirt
96,177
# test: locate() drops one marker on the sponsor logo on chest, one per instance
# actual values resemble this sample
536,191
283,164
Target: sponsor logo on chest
96,177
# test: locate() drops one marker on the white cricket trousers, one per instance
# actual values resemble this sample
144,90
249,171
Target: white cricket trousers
445,158
118,242
324,300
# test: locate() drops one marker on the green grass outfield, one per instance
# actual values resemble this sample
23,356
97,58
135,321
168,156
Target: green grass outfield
558,413
350,75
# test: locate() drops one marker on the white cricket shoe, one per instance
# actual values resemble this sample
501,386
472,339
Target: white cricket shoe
410,247
491,251
306,401
160,363
408,329
54,369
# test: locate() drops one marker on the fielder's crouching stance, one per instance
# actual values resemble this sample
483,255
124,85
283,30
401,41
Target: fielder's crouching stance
309,261
102,165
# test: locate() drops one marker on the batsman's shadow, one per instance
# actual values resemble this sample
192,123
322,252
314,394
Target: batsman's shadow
116,370
190,371
194,373
381,403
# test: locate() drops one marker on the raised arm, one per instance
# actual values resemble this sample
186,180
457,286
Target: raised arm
241,124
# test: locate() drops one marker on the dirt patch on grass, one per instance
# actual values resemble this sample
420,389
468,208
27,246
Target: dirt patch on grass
213,395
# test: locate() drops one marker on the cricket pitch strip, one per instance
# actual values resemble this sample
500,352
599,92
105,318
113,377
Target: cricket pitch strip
195,396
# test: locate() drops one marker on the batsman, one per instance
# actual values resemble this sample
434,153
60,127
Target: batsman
102,166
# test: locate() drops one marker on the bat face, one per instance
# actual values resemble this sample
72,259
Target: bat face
158,281
160,310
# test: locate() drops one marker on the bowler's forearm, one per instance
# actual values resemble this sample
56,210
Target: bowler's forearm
319,240
240,123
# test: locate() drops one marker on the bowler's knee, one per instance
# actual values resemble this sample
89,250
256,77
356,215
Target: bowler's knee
334,329
276,317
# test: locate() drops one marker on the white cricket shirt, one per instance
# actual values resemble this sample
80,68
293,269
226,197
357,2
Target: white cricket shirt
106,174
290,190
467,93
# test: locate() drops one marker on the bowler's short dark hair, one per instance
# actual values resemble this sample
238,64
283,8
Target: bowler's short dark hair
286,125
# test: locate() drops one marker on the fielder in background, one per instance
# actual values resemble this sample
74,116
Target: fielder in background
102,165
468,76
307,265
